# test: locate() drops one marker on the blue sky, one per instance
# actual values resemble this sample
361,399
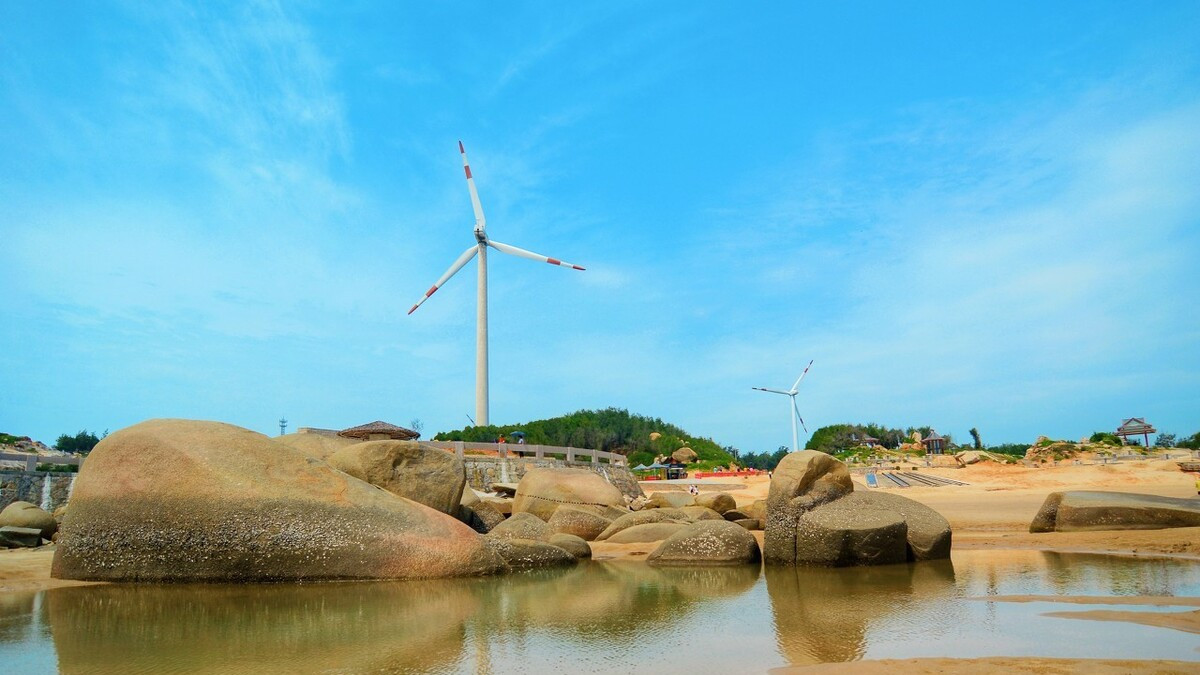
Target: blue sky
968,214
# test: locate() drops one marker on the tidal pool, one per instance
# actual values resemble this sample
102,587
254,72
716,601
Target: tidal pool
603,617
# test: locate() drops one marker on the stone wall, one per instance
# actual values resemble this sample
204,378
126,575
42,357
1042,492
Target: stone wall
30,486
483,471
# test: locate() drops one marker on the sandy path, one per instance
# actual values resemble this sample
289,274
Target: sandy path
28,569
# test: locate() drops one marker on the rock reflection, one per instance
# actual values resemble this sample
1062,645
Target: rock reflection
355,627
824,614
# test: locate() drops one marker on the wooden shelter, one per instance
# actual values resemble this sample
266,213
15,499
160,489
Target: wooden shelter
1136,426
934,443
379,431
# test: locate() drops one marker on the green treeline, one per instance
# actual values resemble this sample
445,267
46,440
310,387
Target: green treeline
837,438
610,430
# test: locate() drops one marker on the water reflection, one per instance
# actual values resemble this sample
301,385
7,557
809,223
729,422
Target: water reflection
353,627
823,615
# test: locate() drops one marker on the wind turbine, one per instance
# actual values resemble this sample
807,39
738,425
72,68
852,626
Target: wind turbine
795,411
480,248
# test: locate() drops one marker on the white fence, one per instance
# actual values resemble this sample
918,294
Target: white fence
523,450
31,461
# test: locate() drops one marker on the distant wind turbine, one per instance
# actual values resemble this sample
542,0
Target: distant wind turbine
794,413
480,248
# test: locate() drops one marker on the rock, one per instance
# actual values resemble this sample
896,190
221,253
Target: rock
191,501
59,513
647,532
802,481
1076,511
580,522
12,536
504,506
506,489
708,542
638,503
838,537
670,500
749,523
929,535
316,446
633,519
654,435
733,515
541,491
700,513
423,473
755,509
24,514
614,512
718,501
946,462
970,457
527,553
522,526
482,516
572,544
684,456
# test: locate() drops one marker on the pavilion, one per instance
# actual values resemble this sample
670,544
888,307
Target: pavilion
1136,426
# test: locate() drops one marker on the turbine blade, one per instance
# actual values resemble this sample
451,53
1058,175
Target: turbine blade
802,375
513,250
797,409
773,391
480,222
458,265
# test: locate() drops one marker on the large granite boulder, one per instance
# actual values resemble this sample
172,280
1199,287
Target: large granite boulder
191,501
670,500
481,515
700,513
634,519
648,532
420,472
929,534
316,446
24,514
580,521
684,456
835,536
522,554
717,501
522,526
576,546
1076,511
541,491
708,542
802,481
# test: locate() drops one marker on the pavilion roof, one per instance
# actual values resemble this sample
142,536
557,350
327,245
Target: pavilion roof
378,427
1135,426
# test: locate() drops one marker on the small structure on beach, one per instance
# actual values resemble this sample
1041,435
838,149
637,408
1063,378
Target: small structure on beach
1136,426
379,431
934,443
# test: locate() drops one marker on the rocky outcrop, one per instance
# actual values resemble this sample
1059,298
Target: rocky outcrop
481,515
670,500
802,481
717,501
684,456
20,537
835,536
1077,511
26,515
423,473
648,532
580,521
316,446
634,519
522,554
542,491
522,526
182,500
572,544
700,513
708,542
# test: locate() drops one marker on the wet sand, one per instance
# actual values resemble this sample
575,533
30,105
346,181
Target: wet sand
28,569
995,665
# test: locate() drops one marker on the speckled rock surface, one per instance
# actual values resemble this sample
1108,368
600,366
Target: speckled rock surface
670,500
636,518
183,500
751,524
838,535
24,514
316,446
802,481
527,554
928,531
422,473
648,532
581,522
576,546
1083,510
708,542
481,515
733,515
542,491
717,501
522,526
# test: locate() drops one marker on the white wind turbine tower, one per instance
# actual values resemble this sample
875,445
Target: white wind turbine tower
480,248
794,413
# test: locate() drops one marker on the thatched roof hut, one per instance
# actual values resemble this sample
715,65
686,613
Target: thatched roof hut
379,431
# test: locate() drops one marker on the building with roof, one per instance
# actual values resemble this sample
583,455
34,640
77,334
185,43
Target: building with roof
1136,426
934,443
379,431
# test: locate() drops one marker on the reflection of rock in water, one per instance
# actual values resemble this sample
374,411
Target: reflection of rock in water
822,614
260,628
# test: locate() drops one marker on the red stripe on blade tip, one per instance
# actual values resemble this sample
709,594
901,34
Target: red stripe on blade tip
552,261
467,168
430,291
576,267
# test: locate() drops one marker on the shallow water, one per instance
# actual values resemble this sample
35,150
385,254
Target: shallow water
601,616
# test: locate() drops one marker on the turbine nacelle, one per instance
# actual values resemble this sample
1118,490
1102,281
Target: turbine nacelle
791,393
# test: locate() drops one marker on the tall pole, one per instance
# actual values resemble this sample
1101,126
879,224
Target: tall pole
792,414
481,343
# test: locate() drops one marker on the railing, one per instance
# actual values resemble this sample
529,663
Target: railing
525,450
31,461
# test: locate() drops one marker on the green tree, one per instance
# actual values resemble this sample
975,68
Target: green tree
975,438
1165,441
1192,442
81,443
1106,438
